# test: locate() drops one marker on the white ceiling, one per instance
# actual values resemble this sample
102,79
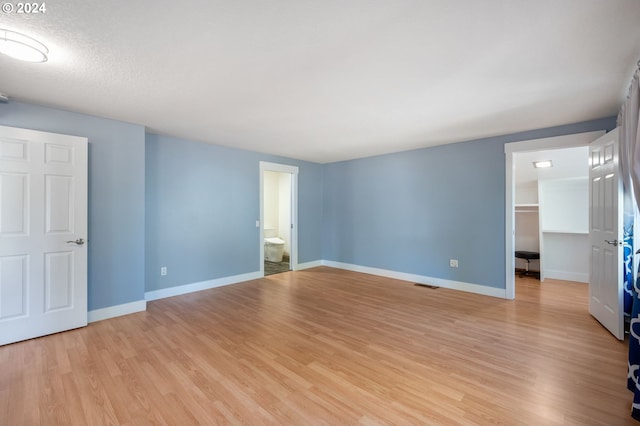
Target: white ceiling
567,163
330,80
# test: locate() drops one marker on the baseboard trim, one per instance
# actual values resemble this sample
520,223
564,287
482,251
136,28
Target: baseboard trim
308,265
202,285
421,279
566,275
116,311
141,305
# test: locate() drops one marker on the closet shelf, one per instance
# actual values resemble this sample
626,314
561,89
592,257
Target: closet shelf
565,231
526,208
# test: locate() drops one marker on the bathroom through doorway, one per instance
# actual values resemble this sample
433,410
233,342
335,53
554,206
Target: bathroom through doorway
278,218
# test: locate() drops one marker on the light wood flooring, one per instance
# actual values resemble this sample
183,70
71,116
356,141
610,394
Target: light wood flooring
326,346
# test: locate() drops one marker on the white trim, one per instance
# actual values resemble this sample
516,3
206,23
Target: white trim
276,167
202,285
293,170
557,142
454,285
567,275
308,265
116,311
510,227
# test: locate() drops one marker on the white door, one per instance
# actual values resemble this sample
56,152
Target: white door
43,228
606,234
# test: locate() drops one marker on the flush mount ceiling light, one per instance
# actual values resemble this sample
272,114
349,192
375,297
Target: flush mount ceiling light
542,164
22,47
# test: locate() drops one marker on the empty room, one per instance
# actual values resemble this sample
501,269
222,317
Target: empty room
319,212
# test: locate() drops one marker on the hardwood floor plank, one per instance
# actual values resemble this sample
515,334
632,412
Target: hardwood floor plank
326,346
71,401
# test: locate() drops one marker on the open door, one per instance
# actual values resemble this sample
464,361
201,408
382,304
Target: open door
43,227
606,234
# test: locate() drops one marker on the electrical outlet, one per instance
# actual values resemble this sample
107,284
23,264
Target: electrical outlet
453,263
163,270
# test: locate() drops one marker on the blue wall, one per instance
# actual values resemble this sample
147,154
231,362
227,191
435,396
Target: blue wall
413,211
202,204
161,201
116,197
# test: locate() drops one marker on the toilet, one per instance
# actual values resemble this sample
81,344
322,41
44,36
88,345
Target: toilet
273,246
273,249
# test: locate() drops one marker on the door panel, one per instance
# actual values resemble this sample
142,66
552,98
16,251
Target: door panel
13,286
58,281
43,211
14,211
606,234
59,204
13,149
59,154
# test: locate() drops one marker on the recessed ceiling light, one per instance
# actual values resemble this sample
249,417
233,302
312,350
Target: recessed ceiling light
542,164
22,47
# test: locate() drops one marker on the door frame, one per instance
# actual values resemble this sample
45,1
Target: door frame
293,171
556,142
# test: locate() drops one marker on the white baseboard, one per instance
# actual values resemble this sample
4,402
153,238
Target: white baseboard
141,305
566,275
116,311
202,285
308,265
454,285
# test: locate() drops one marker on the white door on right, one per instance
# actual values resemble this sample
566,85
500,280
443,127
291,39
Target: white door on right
606,234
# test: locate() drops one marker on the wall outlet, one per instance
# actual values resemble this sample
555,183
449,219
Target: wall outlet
163,270
453,263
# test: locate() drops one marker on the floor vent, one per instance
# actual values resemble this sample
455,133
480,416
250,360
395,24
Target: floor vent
432,287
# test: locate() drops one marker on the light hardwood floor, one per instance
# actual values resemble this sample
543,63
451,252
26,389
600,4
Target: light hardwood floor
325,346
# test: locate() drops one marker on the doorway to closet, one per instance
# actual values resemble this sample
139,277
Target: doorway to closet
553,190
551,214
278,218
579,222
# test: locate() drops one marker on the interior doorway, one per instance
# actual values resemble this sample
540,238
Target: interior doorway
278,218
511,150
552,213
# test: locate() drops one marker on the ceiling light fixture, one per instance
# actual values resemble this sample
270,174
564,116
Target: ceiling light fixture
22,47
542,164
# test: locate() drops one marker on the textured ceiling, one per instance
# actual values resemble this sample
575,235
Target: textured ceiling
329,80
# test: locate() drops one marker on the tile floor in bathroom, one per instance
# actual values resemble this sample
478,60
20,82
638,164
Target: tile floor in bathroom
271,268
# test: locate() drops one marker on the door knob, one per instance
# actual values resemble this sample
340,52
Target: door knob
613,242
78,242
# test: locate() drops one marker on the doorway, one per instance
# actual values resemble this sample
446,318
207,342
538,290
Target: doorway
552,213
511,150
278,218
